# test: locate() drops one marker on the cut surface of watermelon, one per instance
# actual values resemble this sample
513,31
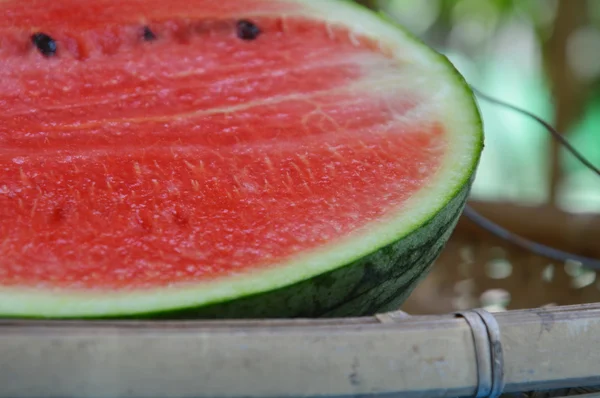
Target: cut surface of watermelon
160,156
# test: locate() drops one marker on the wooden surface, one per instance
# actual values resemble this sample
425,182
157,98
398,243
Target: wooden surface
579,233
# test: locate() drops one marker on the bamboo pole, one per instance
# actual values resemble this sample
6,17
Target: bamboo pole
431,356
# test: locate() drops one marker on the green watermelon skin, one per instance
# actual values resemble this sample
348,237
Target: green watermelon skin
375,283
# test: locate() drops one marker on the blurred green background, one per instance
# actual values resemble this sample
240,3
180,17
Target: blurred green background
541,55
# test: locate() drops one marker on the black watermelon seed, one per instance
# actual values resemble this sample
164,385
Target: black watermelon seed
149,34
247,30
44,43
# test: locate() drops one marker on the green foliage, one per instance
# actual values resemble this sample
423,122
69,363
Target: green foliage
502,47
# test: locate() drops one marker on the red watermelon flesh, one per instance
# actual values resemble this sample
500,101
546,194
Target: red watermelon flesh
133,160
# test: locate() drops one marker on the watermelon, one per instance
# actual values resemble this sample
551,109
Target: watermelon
223,158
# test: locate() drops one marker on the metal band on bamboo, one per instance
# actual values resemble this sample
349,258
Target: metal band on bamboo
488,352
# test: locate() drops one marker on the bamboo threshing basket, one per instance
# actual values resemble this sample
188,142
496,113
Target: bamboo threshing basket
446,347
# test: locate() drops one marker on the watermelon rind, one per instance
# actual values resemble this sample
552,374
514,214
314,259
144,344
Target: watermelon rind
373,270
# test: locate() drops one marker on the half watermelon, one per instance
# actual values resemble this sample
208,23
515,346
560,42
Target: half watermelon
223,158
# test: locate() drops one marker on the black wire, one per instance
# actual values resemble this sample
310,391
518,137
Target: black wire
537,248
559,137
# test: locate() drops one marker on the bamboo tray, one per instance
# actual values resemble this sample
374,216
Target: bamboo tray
451,352
464,272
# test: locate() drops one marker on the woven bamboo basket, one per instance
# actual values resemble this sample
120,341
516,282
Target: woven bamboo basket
547,343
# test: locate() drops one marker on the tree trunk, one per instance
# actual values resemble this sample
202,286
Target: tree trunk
569,93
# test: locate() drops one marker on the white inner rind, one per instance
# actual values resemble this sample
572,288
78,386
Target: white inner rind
448,101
